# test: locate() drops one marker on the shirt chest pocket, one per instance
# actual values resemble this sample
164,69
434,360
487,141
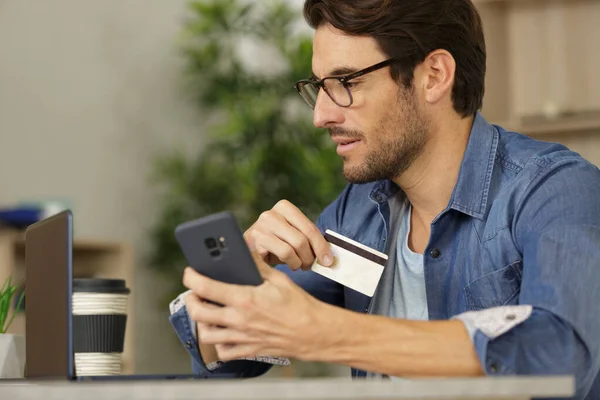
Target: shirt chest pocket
497,288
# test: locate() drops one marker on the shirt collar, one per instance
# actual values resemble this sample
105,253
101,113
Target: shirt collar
470,194
472,188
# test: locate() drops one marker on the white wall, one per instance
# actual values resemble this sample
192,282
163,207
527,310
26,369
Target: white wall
89,92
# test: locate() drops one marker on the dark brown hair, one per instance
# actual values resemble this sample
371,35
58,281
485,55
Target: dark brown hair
409,30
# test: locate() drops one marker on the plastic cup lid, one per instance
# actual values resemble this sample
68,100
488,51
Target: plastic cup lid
97,285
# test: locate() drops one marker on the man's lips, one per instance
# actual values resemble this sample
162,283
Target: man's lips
345,145
344,141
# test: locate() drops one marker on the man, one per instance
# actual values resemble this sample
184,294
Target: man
493,238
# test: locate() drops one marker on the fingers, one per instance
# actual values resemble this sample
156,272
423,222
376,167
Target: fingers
278,246
210,289
216,325
285,234
317,242
285,241
219,336
205,313
264,268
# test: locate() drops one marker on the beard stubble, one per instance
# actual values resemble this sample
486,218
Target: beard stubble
400,138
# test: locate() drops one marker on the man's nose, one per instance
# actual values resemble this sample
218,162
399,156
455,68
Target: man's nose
326,112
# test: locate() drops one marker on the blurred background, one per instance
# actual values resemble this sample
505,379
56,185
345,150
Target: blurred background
141,114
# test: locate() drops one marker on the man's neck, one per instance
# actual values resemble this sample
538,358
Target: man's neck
430,180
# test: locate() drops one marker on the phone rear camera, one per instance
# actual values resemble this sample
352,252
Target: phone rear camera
210,243
215,253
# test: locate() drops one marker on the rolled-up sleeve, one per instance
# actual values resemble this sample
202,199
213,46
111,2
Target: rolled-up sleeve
555,328
186,333
314,284
523,340
185,328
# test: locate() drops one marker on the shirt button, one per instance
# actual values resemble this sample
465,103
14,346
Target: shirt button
188,344
435,253
494,367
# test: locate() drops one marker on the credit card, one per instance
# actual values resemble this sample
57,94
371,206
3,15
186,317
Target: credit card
355,265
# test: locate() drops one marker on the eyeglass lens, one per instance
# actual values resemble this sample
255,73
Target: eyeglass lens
333,87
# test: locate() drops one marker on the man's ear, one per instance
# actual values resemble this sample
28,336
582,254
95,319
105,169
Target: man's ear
437,72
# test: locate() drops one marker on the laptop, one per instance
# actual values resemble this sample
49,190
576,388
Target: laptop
48,306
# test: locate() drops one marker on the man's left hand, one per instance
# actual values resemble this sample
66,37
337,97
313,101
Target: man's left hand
276,318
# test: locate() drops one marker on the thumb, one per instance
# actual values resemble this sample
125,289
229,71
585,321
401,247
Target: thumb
266,256
265,269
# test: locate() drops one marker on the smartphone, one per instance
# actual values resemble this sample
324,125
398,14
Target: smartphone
215,247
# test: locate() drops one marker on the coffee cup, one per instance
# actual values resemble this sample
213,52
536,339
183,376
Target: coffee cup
99,310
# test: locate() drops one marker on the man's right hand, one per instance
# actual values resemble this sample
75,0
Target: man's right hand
207,351
284,235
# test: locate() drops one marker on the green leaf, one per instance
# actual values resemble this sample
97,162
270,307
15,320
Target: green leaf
5,285
259,146
18,307
4,307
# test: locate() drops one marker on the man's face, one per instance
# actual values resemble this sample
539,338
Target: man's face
384,130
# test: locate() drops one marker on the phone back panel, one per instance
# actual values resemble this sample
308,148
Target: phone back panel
215,247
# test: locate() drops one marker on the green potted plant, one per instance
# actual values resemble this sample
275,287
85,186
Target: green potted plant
12,346
259,143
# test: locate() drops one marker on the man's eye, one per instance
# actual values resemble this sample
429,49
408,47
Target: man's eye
351,85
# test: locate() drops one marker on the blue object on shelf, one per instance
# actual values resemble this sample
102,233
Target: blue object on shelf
16,299
21,217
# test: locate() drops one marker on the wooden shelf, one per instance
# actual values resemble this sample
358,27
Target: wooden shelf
91,258
479,2
559,126
79,244
542,60
484,2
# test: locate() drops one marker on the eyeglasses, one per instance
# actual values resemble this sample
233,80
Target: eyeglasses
336,87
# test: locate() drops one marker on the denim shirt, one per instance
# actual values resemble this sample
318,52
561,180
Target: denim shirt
515,255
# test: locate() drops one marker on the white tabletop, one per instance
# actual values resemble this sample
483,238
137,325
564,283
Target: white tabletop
514,388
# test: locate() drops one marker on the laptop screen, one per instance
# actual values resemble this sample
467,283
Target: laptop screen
61,309
47,306
74,312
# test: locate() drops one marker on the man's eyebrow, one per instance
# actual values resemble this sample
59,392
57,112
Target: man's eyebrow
343,71
338,72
